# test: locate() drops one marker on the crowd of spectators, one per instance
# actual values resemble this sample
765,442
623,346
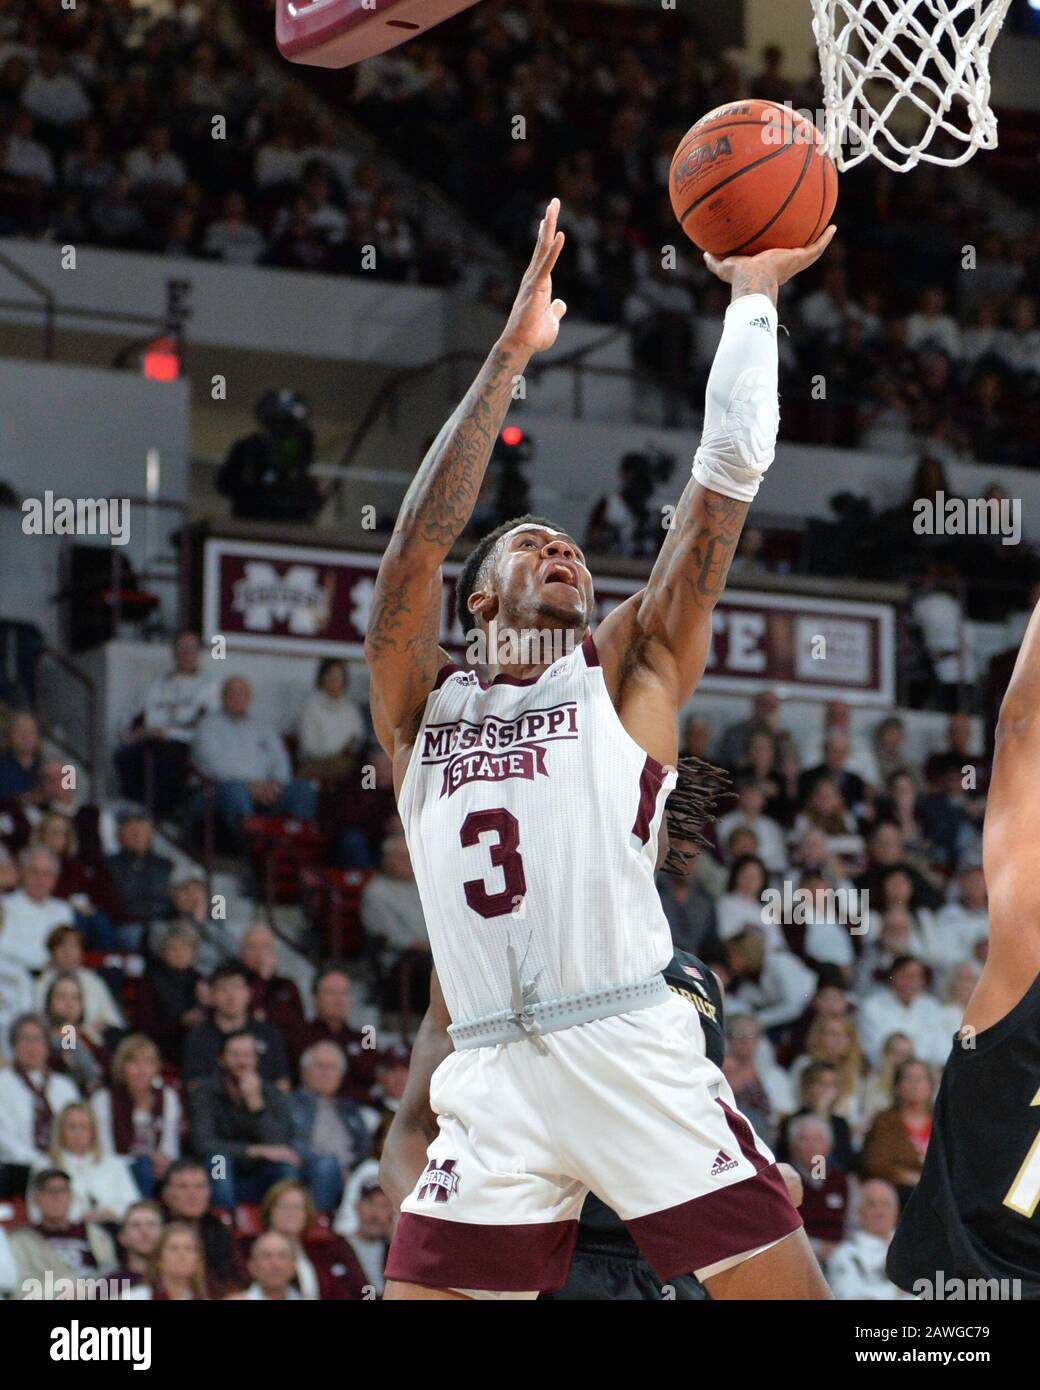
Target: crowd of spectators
146,128
844,905
922,322
166,1095
159,1075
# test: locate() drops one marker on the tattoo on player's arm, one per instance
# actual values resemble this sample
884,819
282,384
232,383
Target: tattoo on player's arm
750,279
715,533
389,611
442,495
422,645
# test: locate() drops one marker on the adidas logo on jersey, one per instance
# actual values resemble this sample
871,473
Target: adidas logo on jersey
762,323
723,1164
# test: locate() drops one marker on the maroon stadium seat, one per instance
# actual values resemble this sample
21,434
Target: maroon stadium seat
332,902
278,848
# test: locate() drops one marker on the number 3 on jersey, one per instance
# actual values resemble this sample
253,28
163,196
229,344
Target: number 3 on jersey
505,855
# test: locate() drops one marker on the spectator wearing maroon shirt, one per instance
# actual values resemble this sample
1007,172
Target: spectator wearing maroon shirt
186,1197
88,888
273,998
326,1266
332,1000
65,1249
826,1200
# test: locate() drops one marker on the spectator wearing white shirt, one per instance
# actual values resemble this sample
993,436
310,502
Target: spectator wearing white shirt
31,1094
138,1118
153,165
102,1187
775,985
247,760
768,832
878,1090
826,810
904,1006
742,906
272,1266
331,728
856,1269
960,926
896,927
233,238
931,327
1019,345
960,986
153,766
365,1220
277,161
32,912
820,932
949,640
53,95
825,311
837,718
24,156
16,993
65,951
982,339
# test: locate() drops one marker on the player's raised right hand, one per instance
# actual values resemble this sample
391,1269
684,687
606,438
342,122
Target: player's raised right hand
534,321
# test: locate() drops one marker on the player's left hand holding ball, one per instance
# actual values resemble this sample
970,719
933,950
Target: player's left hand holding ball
534,321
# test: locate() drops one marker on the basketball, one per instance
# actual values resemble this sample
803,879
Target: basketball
752,176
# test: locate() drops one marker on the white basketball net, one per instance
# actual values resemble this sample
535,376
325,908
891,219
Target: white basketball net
899,73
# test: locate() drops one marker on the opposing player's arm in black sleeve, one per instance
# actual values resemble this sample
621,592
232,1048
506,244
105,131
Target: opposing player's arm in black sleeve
415,1125
669,623
401,643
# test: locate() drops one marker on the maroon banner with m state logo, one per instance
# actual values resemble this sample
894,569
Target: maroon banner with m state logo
317,602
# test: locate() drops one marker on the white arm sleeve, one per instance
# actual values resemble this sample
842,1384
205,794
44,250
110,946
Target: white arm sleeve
741,408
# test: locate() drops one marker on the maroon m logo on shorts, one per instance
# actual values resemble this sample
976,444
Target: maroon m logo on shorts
439,1181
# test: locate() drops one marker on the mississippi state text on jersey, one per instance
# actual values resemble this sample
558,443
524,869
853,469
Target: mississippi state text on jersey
532,819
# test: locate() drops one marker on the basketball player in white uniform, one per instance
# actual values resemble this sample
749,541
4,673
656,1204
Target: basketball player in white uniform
532,793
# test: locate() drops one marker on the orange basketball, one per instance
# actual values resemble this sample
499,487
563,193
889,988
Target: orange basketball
752,176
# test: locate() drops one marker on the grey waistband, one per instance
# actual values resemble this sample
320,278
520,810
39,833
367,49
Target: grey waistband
554,1014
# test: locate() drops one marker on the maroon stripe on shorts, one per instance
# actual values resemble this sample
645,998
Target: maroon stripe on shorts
698,1233
740,1128
502,1259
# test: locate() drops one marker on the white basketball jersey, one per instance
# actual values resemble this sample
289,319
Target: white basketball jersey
532,819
